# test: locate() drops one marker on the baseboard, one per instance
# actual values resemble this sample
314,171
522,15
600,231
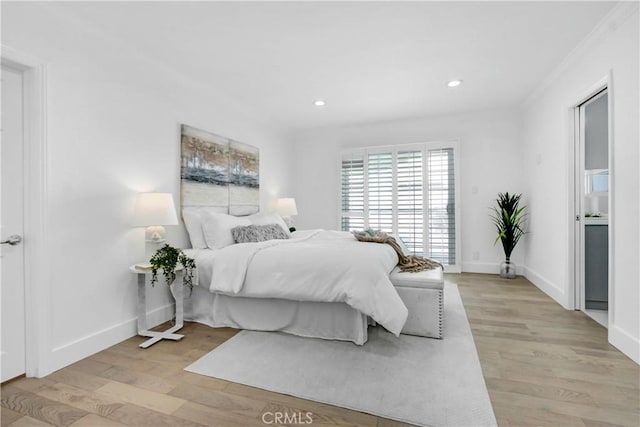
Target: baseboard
547,287
625,342
487,268
74,351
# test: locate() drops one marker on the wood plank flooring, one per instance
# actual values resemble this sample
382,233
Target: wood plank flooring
543,366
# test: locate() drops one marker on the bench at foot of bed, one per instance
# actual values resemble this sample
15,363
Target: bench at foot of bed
423,294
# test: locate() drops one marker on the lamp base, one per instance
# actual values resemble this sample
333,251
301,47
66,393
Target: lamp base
155,233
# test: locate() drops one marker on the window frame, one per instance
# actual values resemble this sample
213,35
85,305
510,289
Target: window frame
424,147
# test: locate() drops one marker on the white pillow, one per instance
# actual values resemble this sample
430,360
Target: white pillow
192,216
193,223
217,228
269,218
403,246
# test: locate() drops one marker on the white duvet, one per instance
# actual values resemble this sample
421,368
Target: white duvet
318,265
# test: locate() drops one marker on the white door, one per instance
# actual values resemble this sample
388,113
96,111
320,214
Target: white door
12,345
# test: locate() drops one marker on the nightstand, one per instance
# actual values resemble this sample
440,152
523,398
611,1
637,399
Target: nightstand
176,291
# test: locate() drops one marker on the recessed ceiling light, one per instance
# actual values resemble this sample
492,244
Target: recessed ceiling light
319,103
454,83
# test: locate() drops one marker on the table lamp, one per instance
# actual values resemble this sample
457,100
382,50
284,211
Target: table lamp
286,207
153,211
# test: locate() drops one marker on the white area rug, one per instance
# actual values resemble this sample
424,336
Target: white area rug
417,380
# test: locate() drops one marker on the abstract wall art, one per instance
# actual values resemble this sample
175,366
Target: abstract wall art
218,172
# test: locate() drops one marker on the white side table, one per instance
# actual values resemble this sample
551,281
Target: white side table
176,291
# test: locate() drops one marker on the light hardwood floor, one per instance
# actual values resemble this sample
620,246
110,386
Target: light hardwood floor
543,366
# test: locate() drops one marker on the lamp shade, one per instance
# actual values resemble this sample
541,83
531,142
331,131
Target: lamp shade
286,207
154,209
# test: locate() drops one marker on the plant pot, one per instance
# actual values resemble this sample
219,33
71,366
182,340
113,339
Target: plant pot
508,269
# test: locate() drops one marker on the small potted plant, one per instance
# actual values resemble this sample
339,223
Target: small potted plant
167,259
509,218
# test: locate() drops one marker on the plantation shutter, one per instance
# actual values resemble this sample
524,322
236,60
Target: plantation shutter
352,217
407,190
410,205
441,206
380,191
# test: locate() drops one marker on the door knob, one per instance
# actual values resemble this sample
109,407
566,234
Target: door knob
12,240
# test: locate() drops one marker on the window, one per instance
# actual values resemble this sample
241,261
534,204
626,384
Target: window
441,207
405,190
352,192
410,200
380,191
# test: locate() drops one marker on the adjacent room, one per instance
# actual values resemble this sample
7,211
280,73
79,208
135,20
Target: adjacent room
385,213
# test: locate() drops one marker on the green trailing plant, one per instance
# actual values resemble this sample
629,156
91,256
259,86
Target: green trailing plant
509,218
167,259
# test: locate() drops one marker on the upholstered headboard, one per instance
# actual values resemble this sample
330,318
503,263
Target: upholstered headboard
218,173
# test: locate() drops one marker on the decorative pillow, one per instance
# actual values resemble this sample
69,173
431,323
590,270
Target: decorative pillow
245,234
258,233
269,218
217,228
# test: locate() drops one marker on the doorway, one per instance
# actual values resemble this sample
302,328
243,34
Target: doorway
25,181
592,205
13,344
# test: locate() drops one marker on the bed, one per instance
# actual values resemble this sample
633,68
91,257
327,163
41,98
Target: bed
321,284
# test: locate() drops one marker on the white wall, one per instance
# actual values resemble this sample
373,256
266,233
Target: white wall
113,130
614,48
490,149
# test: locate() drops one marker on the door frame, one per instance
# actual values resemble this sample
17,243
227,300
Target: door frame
36,273
576,237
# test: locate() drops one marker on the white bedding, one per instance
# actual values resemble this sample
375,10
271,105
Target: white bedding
325,320
324,266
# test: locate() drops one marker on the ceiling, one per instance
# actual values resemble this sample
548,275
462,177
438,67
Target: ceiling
370,61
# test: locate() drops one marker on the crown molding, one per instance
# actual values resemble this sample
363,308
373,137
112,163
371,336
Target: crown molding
611,21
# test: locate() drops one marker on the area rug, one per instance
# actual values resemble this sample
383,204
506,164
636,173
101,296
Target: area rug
421,381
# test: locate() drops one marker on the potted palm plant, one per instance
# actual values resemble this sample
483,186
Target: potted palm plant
509,218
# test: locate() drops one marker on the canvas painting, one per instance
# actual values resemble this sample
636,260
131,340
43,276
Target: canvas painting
204,171
244,179
218,172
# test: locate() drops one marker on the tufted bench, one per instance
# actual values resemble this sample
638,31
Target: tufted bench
423,294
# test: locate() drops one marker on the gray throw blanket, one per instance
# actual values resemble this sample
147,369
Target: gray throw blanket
407,263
